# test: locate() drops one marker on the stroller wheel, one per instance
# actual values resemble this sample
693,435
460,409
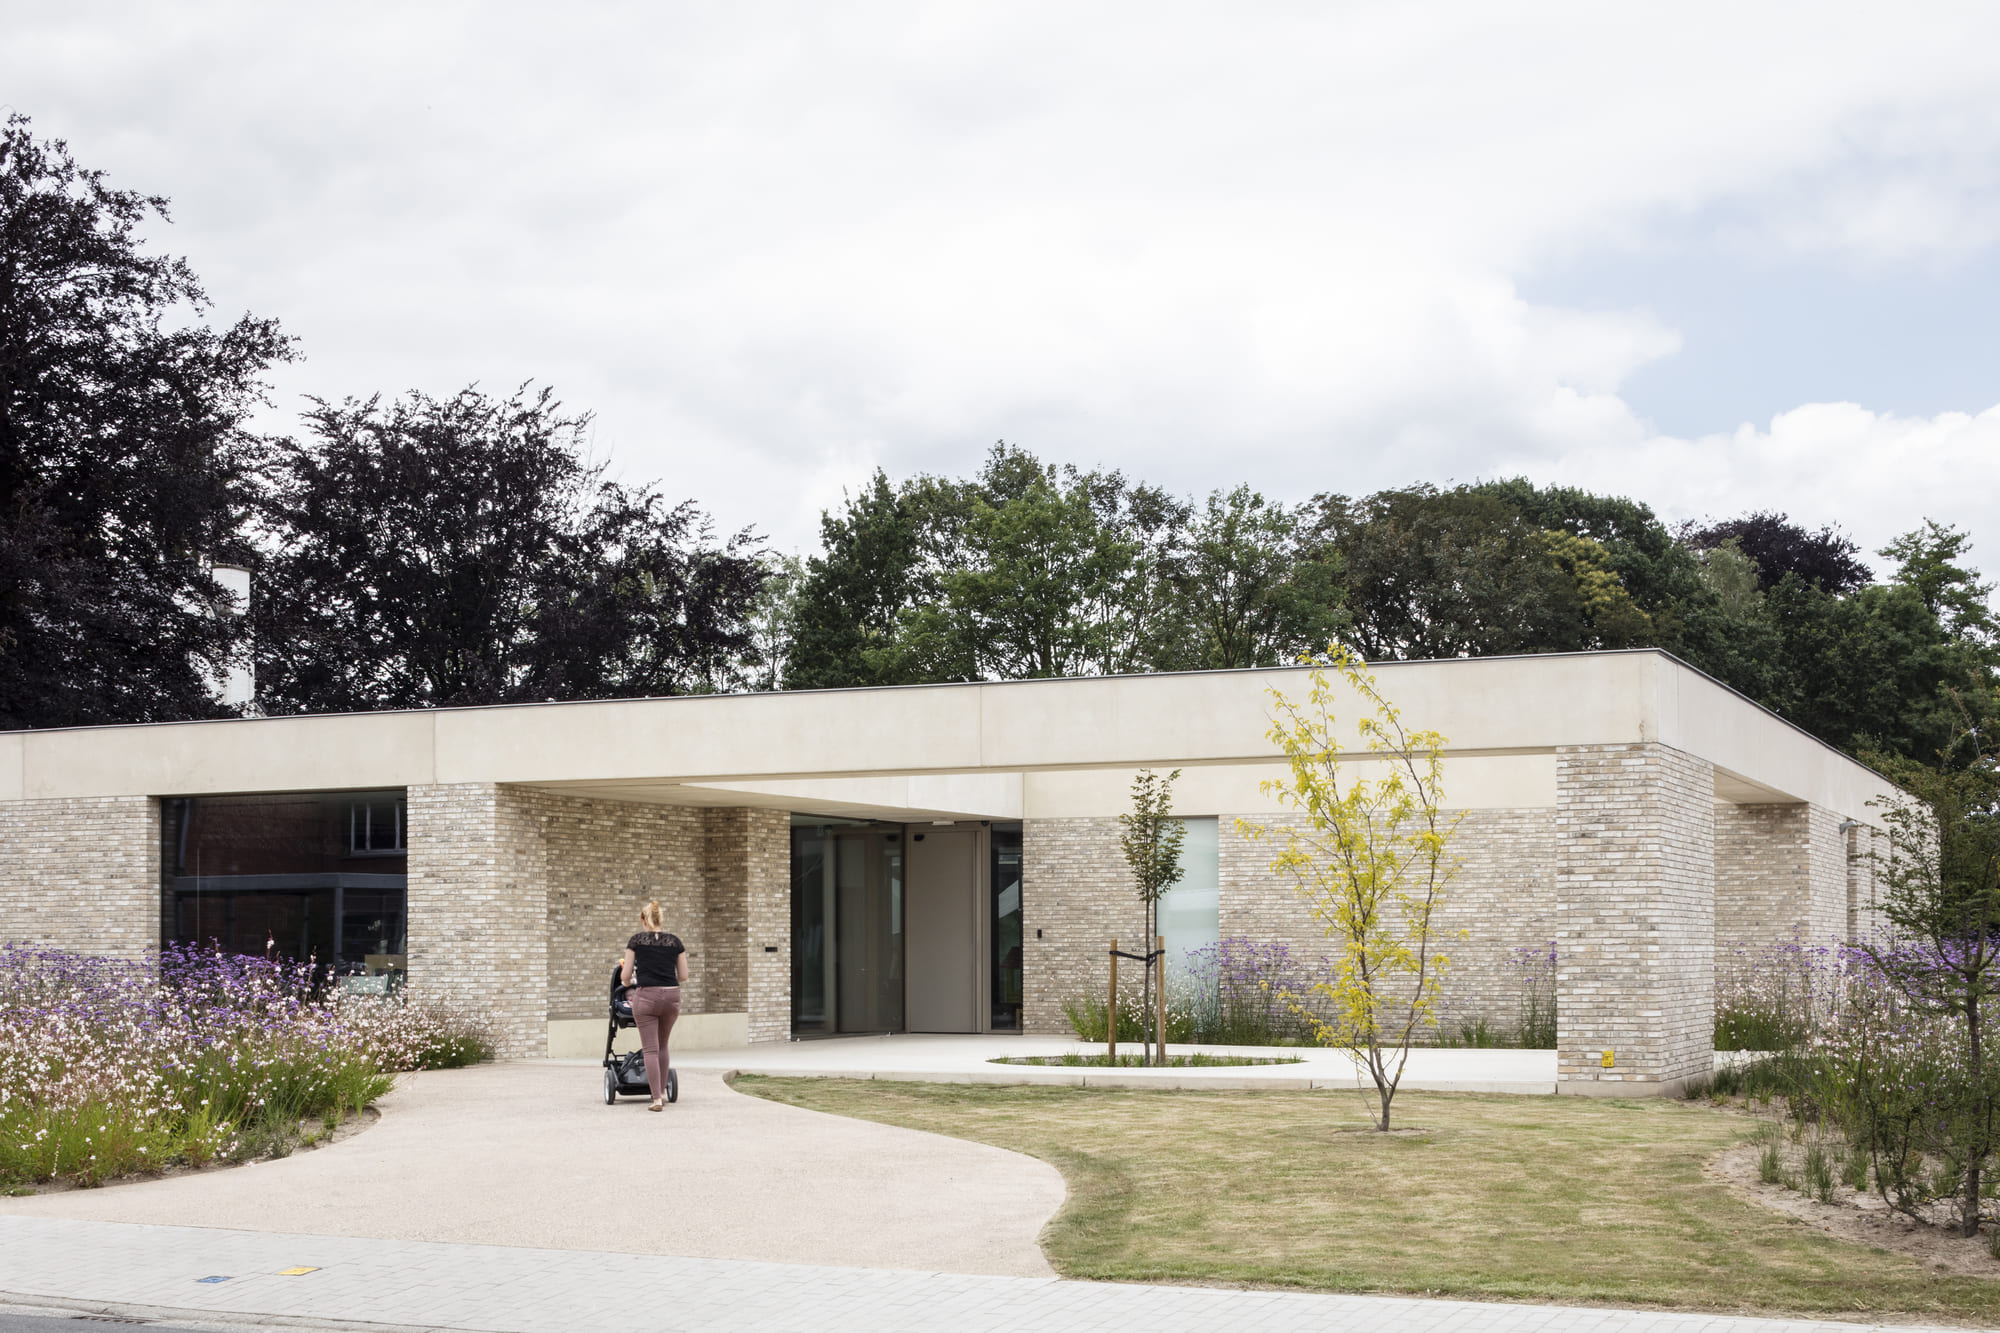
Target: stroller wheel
673,1085
610,1087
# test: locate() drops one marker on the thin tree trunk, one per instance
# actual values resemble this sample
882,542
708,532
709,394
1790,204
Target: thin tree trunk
1968,1222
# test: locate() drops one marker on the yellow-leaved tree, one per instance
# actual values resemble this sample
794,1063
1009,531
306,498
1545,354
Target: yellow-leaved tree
1372,860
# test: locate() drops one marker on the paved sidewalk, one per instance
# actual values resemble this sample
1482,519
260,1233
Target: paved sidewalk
958,1059
172,1271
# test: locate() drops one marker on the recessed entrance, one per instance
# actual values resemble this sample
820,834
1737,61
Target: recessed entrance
847,928
901,928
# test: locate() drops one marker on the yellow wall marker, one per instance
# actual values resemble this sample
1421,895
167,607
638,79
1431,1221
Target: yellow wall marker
296,1272
1607,1060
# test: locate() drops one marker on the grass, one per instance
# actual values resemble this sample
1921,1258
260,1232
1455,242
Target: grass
1522,1198
1099,1060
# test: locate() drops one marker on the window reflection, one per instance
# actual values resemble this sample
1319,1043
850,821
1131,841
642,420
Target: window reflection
316,877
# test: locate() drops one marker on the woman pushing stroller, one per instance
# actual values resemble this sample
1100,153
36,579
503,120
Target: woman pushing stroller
655,966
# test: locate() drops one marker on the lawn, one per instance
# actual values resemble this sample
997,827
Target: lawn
1526,1198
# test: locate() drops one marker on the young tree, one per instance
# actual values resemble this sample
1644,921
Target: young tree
1943,880
1152,842
428,552
125,459
1372,860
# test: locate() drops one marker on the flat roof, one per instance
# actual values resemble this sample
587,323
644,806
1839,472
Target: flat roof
693,749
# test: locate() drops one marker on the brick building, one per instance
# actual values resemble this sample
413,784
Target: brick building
938,858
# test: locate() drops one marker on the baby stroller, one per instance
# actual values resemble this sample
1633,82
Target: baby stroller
626,1074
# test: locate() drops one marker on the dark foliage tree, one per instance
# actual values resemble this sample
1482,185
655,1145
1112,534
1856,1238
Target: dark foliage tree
125,461
1824,558
428,552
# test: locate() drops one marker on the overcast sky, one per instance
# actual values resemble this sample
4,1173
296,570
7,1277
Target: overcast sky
1713,256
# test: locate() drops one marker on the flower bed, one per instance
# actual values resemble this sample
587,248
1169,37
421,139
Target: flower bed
189,1056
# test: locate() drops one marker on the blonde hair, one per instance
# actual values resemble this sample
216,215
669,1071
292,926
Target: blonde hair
650,916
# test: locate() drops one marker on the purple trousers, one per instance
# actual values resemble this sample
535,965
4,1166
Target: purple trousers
654,1009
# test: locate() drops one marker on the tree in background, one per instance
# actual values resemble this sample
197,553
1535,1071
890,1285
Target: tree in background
1031,570
770,621
847,614
1464,573
1051,572
125,461
1152,844
1372,860
427,552
1252,585
1825,558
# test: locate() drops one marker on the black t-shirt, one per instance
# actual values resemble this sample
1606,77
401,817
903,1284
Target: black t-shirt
656,957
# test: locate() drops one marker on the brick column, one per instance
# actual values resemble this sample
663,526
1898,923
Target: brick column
478,905
1635,914
747,921
81,873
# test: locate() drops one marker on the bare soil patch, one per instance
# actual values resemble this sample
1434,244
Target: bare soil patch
1861,1218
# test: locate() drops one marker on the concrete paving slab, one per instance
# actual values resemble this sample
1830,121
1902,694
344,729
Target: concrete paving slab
527,1154
153,1271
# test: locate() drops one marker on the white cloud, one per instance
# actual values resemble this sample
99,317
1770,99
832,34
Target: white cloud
773,247
1874,473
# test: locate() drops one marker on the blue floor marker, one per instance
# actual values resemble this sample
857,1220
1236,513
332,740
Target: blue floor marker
211,1279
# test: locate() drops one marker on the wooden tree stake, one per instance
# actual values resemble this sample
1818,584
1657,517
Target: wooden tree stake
1111,1012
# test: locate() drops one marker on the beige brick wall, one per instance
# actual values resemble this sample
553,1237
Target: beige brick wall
1076,896
1077,892
1781,874
478,905
604,860
81,874
1501,899
1635,887
749,917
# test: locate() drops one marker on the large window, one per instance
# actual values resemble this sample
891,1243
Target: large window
319,876
1191,911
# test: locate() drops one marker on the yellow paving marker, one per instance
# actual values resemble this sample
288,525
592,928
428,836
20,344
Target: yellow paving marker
296,1272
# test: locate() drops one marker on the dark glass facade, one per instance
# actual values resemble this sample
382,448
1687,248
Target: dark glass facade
847,927
310,876
1005,879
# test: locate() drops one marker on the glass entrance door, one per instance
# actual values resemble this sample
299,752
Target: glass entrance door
847,928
